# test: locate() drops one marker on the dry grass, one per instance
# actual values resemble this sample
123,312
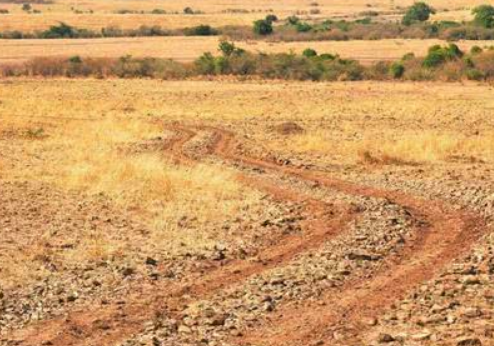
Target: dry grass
422,122
186,49
104,12
87,123
92,157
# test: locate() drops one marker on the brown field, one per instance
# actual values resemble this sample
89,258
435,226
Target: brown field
186,49
231,212
212,12
145,212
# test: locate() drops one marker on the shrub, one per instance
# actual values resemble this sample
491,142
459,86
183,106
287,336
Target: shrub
158,11
418,12
61,30
397,70
438,55
484,16
200,30
271,18
263,27
327,56
293,20
303,27
474,74
4,11
476,50
188,10
228,48
205,64
26,7
309,53
76,59
364,21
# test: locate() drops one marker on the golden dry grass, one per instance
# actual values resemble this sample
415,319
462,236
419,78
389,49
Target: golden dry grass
213,12
414,121
186,49
93,157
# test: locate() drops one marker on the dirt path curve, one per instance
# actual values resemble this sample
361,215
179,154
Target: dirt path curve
449,234
108,324
445,235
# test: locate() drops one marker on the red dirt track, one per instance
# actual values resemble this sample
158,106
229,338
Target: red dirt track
441,234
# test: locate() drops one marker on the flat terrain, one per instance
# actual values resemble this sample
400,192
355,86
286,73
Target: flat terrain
141,212
217,13
187,49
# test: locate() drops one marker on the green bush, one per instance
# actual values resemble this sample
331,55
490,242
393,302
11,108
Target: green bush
476,50
188,10
397,70
263,27
293,20
61,30
474,74
418,12
271,18
200,30
309,53
227,48
303,27
205,64
439,55
484,16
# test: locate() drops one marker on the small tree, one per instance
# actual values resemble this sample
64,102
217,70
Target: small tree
263,27
418,12
484,16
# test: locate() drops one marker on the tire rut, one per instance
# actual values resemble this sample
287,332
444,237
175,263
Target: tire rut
443,236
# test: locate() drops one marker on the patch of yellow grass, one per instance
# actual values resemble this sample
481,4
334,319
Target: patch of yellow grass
427,147
181,206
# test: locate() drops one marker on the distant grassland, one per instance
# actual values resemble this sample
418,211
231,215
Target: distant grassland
212,12
187,49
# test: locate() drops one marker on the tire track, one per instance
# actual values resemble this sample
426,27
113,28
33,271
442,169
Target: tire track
107,325
447,235
444,236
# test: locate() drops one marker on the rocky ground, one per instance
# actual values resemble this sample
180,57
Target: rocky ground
81,253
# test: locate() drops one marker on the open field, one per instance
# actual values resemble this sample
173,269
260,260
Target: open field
187,49
212,12
145,212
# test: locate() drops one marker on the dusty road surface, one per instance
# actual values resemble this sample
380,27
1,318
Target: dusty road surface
245,213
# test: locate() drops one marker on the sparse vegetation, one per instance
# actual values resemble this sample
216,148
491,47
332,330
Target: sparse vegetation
418,12
441,63
263,27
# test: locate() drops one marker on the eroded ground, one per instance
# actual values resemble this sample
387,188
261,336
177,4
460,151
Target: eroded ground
245,213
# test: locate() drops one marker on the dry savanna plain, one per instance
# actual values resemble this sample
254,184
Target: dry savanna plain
225,209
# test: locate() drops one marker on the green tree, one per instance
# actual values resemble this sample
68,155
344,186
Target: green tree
484,16
418,12
227,48
263,27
